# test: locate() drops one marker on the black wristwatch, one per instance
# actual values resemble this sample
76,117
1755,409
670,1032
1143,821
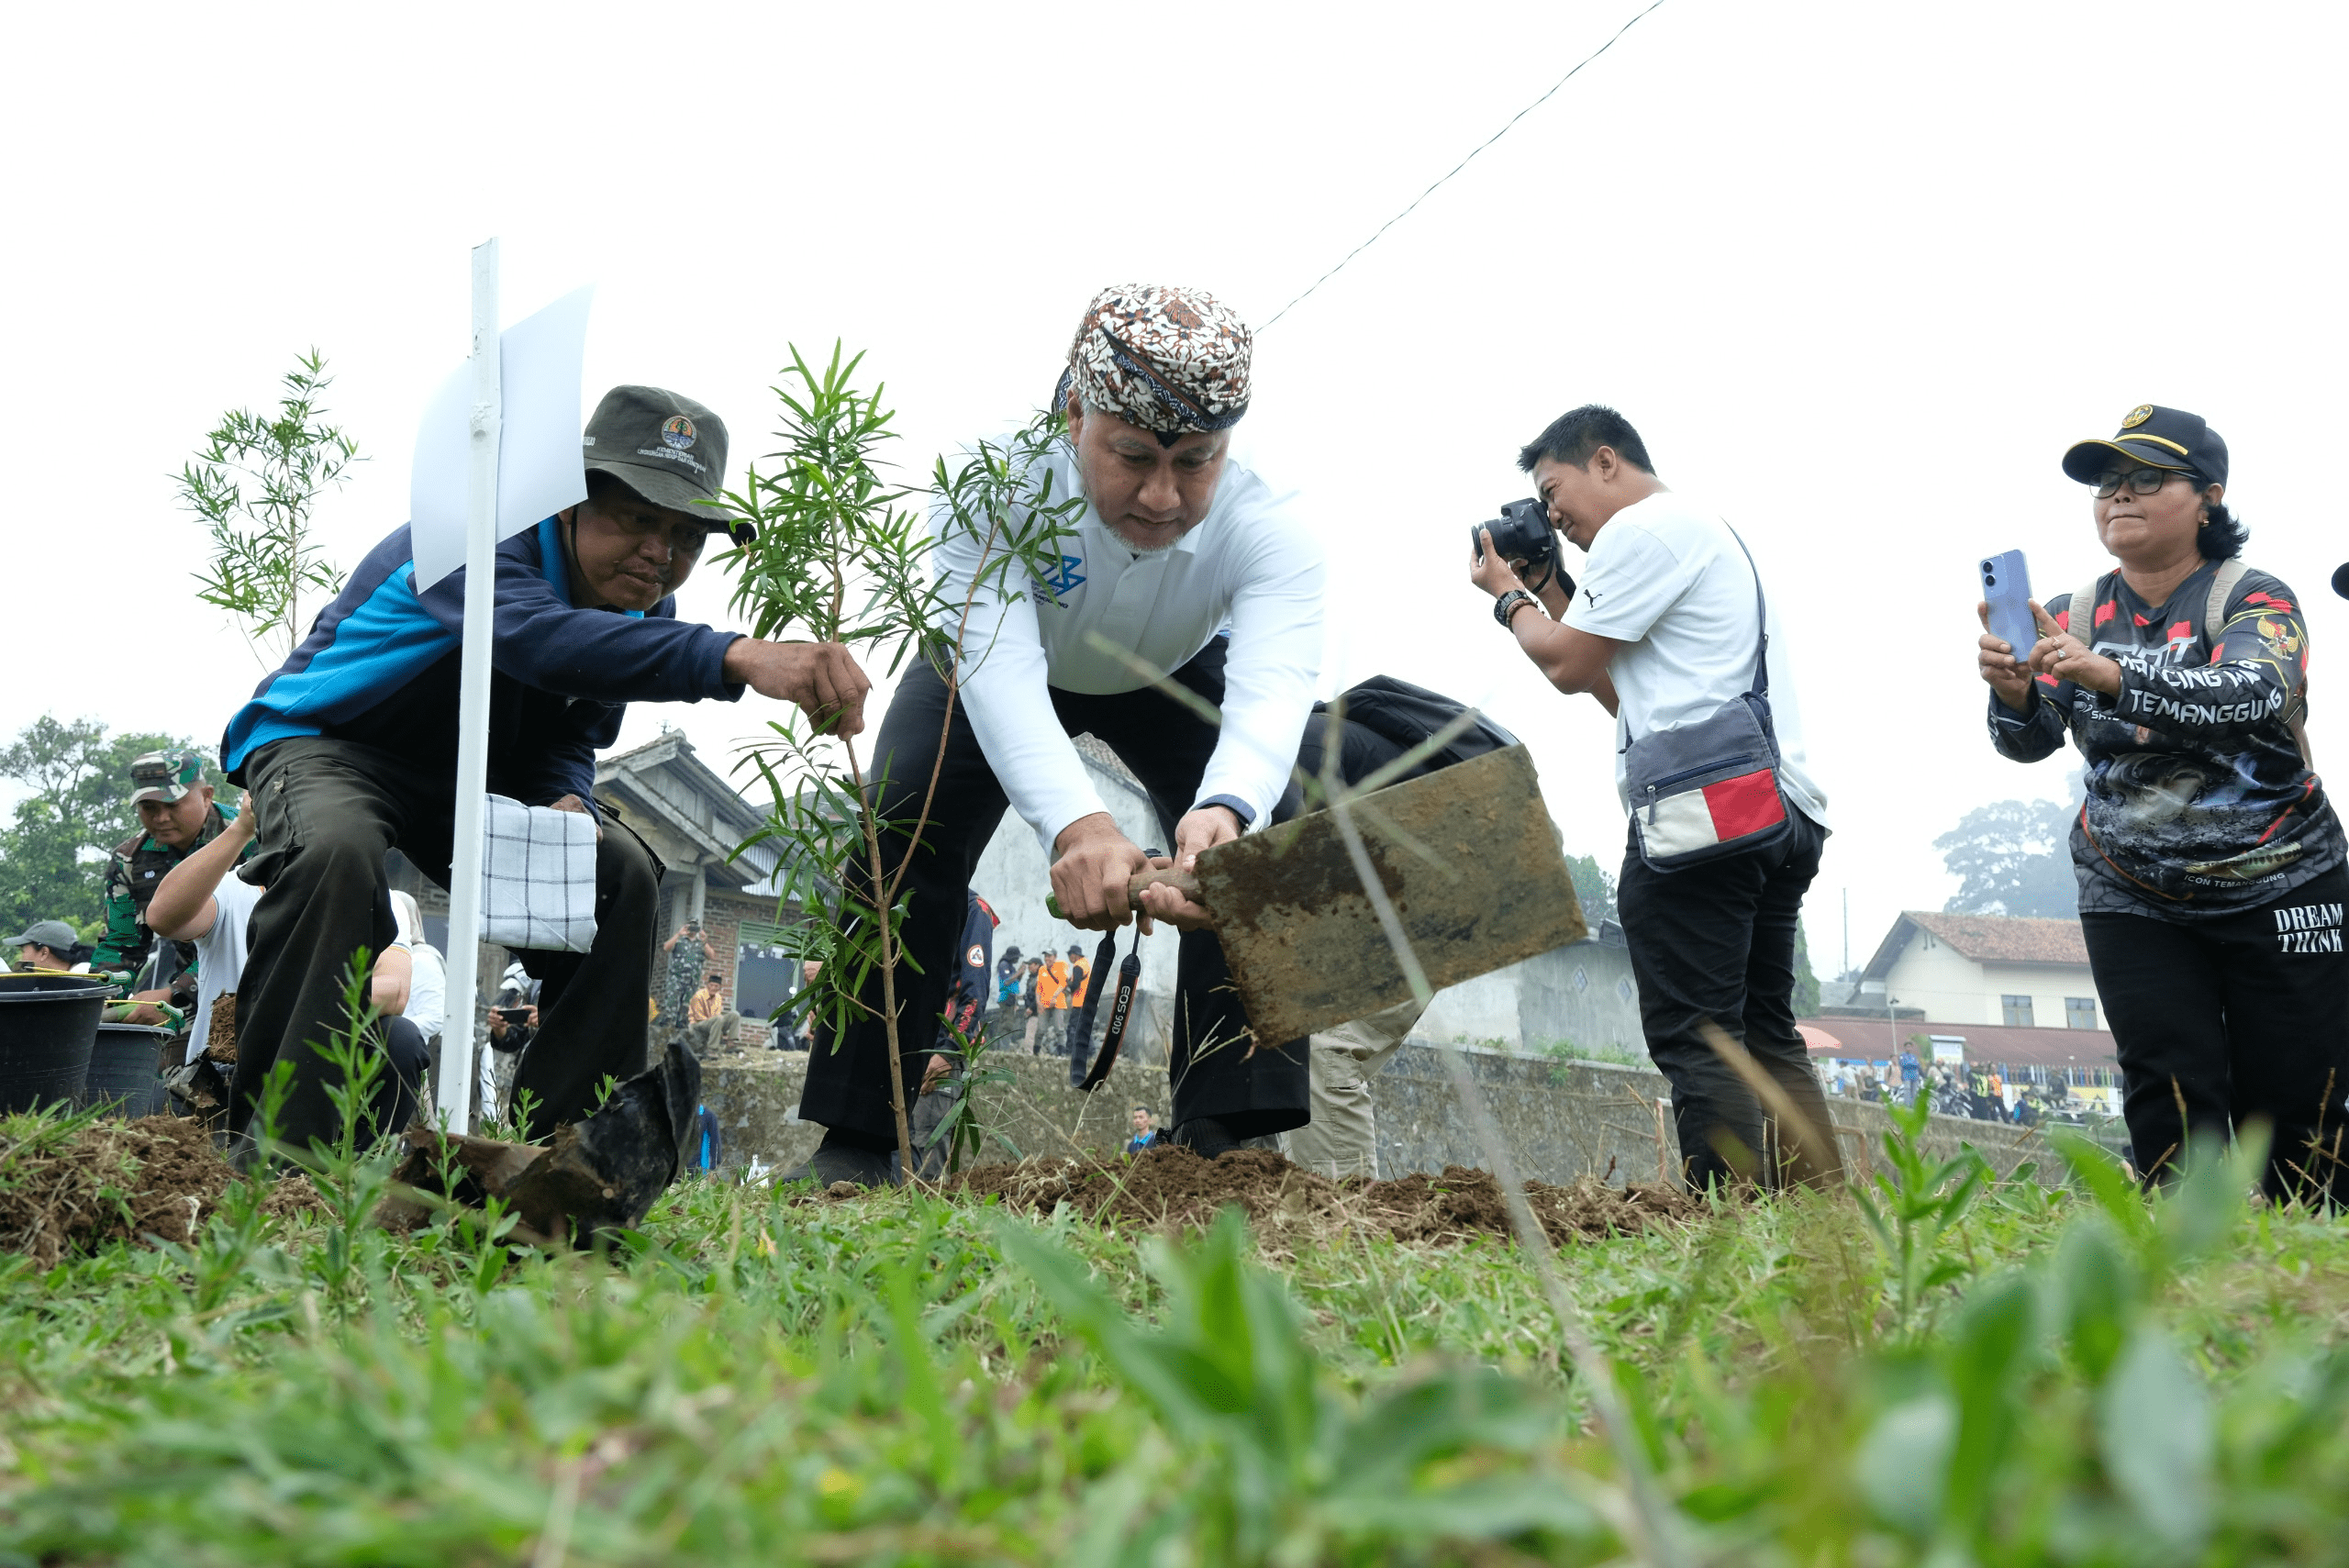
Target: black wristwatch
1507,606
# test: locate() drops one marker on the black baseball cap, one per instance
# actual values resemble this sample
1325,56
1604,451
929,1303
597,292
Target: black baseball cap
2156,438
669,450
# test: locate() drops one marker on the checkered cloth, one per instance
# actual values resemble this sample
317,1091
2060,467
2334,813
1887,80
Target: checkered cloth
537,877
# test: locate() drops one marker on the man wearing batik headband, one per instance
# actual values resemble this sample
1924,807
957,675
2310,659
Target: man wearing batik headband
1200,574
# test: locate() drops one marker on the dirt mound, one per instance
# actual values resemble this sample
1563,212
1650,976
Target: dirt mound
116,1181
1463,1202
1173,1188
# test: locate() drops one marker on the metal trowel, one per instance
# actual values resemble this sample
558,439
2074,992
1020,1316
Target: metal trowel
1466,854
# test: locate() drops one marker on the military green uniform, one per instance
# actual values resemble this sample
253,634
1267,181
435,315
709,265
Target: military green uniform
138,865
135,869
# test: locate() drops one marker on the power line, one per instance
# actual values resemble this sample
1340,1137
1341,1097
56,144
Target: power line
1423,196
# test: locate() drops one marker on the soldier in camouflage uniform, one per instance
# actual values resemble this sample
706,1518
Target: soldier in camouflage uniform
176,817
688,961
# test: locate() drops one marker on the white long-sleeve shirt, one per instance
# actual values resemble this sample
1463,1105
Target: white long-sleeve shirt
1250,566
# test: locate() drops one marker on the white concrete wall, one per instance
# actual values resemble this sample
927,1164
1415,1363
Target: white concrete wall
2047,985
1482,1011
1931,974
1582,995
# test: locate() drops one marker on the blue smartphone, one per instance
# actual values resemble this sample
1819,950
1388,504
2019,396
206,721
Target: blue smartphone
2006,586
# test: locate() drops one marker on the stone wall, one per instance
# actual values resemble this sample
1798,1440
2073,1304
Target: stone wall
1560,1119
757,1109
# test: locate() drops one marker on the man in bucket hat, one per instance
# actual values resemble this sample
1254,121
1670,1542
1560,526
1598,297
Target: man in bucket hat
350,748
1176,546
176,817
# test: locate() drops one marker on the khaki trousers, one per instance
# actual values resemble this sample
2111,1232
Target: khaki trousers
704,1038
1341,1140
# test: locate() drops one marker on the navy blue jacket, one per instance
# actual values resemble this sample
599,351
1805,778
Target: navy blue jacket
380,667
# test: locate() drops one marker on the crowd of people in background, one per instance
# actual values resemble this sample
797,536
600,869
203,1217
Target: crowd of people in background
1981,1093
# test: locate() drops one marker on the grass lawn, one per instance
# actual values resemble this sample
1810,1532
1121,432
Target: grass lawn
1951,1371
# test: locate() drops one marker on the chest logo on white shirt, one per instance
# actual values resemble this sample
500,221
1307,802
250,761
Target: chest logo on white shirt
1066,578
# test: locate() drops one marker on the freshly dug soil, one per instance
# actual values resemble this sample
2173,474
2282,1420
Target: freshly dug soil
1173,1188
118,1181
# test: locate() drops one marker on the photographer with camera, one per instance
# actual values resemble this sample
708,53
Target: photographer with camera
1669,629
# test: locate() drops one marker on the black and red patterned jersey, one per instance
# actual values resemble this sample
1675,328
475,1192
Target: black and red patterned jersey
2199,802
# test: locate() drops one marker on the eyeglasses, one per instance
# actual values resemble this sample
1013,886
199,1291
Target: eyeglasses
685,536
2141,482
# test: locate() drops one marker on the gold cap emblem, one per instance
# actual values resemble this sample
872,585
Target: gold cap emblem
2137,415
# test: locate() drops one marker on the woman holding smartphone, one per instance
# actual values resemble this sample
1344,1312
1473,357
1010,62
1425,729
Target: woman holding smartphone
2211,862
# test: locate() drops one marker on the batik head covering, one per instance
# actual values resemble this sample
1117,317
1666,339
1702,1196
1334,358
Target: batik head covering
1172,361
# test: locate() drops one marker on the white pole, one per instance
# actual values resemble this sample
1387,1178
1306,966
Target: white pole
457,1043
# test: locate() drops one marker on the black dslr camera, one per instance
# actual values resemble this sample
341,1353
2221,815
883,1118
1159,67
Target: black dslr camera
1522,533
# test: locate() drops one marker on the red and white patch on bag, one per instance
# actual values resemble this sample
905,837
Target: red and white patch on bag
1700,818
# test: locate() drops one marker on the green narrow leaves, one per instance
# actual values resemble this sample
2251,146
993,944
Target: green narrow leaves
256,485
2157,1435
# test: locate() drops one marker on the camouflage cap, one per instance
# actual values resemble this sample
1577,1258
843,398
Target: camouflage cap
166,776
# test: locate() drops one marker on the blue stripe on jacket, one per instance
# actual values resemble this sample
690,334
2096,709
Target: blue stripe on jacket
576,670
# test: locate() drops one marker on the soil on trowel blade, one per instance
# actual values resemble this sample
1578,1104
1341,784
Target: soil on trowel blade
1173,1188
113,1181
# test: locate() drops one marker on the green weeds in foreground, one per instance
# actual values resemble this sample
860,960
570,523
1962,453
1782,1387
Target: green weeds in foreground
2074,1377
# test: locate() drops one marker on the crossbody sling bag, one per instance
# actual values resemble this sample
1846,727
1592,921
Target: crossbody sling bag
1711,789
2214,624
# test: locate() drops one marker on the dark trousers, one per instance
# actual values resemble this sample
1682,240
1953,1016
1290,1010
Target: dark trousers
329,810
405,1050
1167,747
2232,1020
1716,942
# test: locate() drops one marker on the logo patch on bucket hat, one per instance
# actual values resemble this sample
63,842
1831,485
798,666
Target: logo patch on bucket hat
678,432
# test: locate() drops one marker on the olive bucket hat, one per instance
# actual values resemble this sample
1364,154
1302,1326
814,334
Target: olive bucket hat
669,450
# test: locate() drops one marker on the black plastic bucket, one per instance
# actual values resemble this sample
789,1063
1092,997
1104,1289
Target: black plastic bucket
123,1071
49,1023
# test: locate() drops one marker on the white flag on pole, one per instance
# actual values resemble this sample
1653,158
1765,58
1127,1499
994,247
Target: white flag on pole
540,466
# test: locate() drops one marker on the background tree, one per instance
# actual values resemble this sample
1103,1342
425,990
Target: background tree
1806,978
255,484
76,807
2014,857
1594,887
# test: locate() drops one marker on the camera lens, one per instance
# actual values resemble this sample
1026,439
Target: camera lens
1989,581
1986,568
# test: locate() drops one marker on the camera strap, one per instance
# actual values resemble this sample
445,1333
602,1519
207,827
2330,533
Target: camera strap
1120,1009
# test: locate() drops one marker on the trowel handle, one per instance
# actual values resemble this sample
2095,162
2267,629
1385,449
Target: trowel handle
1182,881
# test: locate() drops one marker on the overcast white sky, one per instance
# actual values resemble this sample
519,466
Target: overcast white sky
1858,271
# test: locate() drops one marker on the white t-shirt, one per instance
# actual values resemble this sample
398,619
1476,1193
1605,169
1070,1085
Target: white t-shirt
1251,567
1665,576
428,988
220,954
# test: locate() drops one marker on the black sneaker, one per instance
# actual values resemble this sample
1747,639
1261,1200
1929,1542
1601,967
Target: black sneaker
837,1161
